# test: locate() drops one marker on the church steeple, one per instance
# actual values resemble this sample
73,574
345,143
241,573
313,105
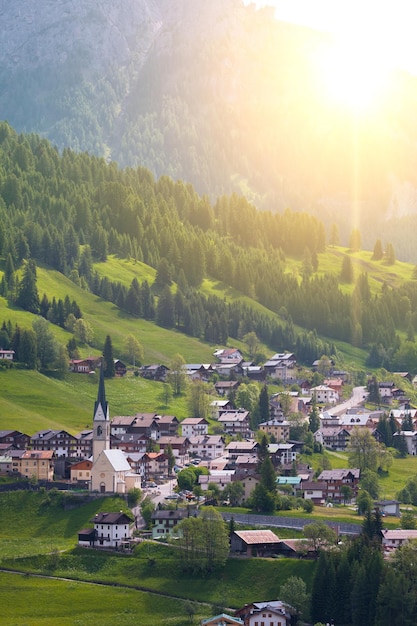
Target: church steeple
101,420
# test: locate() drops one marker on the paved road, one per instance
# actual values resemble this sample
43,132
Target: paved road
356,399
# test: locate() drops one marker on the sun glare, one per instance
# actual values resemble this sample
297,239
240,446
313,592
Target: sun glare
353,76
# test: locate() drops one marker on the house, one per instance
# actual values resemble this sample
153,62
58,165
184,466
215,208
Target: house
393,539
226,387
179,446
199,371
18,440
272,613
223,619
221,478
155,465
130,442
11,461
236,422
217,406
293,481
410,438
7,355
236,448
229,368
248,462
167,425
279,429
84,445
120,368
81,471
249,480
333,437
314,491
85,366
154,372
60,441
282,453
227,354
336,479
111,530
194,426
386,390
145,424
165,520
325,394
254,542
206,446
38,464
388,507
254,372
336,384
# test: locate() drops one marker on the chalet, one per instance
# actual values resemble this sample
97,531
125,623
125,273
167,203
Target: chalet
236,448
248,462
217,406
275,408
279,429
229,368
167,425
335,383
111,530
7,355
145,424
333,437
199,371
254,542
179,446
85,366
62,443
293,481
155,465
386,390
154,372
254,372
336,479
15,438
194,426
226,387
236,422
282,453
120,368
6,466
281,366
165,520
325,394
393,539
206,446
11,461
84,445
273,613
81,471
130,442
227,354
38,464
314,491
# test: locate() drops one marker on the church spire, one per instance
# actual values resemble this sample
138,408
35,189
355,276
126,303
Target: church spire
101,395
101,420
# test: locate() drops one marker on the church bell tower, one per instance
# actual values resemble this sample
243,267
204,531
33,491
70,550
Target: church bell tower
101,420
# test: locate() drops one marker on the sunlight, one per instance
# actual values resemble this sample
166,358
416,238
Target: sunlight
353,76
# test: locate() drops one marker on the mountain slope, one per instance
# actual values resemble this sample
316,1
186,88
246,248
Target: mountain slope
216,94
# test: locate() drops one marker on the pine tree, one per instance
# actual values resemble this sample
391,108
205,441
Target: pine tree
28,297
109,370
378,252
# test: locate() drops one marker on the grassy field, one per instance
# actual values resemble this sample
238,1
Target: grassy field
30,401
32,601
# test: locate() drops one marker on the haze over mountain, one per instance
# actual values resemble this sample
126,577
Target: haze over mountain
217,94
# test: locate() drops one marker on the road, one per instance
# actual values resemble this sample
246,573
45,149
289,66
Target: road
356,399
289,522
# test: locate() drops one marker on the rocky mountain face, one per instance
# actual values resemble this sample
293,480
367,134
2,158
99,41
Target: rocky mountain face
214,93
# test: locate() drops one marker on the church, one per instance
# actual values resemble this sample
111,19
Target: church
111,472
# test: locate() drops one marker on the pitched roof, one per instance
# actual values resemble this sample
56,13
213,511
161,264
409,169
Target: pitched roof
117,460
251,537
111,518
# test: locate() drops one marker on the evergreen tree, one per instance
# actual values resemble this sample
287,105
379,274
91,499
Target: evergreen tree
346,274
378,252
264,405
109,370
28,297
165,308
